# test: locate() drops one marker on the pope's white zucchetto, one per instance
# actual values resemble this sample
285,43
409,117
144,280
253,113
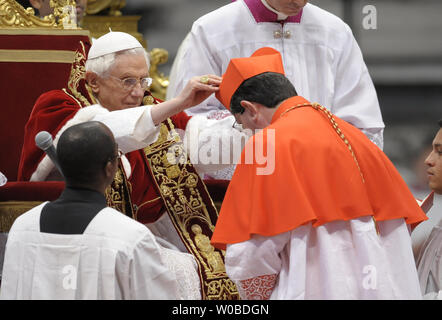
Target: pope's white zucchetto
112,42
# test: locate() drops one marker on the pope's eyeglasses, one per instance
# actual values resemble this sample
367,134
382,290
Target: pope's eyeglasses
129,83
237,125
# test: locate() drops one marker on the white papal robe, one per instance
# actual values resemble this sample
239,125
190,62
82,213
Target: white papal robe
115,258
338,260
212,145
320,55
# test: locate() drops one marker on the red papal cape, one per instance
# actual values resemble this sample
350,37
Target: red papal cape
316,178
55,111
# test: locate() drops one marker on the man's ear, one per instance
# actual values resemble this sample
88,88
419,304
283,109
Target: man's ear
250,107
110,169
92,81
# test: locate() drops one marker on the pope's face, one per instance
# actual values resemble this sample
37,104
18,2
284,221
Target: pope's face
110,91
288,7
434,163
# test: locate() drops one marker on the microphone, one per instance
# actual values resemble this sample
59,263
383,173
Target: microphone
43,140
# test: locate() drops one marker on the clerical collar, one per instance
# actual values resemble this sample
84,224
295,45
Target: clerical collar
86,195
262,12
281,16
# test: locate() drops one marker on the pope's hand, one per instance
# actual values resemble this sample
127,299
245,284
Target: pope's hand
198,89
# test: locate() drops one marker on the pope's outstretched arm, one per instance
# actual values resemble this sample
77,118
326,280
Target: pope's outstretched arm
135,128
193,93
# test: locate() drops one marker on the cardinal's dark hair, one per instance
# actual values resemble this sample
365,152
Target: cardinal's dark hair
268,89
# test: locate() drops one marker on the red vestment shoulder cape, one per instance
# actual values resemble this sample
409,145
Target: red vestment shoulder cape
51,113
315,178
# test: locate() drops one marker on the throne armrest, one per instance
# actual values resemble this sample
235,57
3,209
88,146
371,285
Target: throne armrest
20,196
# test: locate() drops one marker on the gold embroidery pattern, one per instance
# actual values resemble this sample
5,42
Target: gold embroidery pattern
214,259
191,210
78,70
72,97
118,194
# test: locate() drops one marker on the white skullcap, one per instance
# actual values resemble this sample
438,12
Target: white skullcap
112,42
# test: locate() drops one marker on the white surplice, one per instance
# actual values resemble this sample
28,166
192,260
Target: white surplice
427,248
115,258
320,55
338,260
429,264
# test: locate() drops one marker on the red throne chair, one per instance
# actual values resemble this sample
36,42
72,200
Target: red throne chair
35,56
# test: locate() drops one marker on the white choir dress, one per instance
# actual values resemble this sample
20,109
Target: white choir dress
320,54
115,258
337,260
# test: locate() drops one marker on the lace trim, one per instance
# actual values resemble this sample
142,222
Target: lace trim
376,136
185,268
223,174
218,115
258,288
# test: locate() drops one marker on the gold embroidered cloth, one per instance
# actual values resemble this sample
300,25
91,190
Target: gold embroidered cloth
191,210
